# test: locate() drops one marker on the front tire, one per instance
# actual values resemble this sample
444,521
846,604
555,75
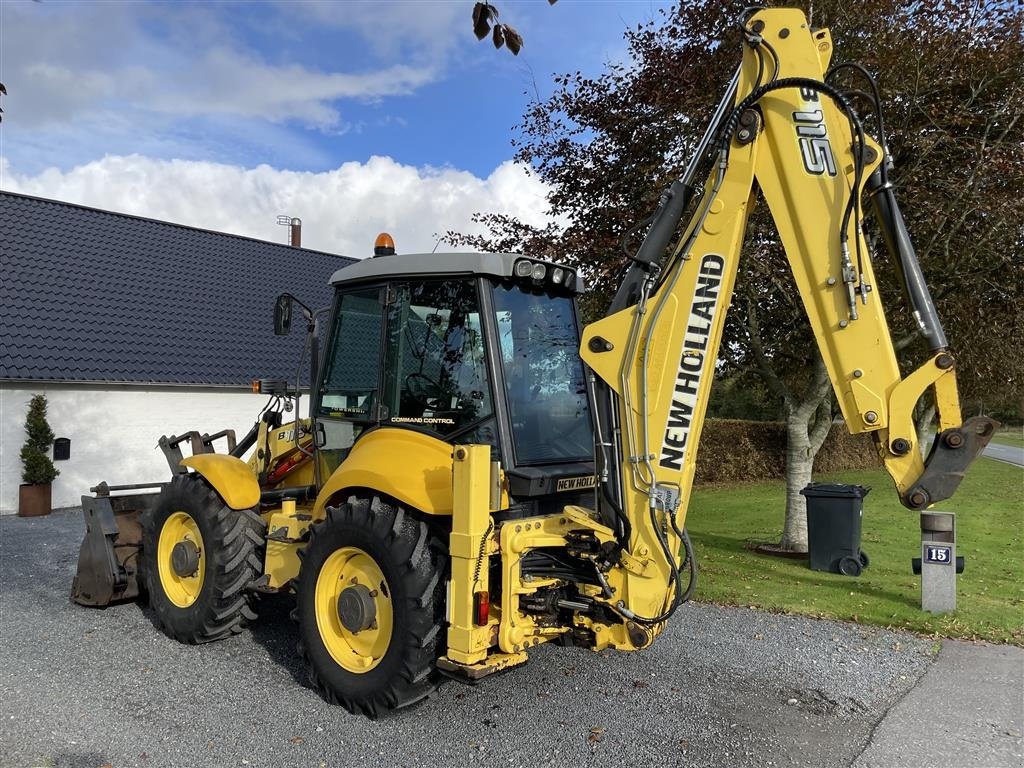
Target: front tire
198,558
370,606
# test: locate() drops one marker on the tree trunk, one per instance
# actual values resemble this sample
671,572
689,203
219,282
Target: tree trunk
807,426
923,423
808,421
799,465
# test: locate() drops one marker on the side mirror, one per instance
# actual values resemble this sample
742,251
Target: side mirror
283,315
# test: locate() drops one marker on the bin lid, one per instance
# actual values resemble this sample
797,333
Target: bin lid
835,491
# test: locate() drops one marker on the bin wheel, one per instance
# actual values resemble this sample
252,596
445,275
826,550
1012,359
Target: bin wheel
850,566
864,559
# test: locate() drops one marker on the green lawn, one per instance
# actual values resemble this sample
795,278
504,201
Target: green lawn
1009,436
724,521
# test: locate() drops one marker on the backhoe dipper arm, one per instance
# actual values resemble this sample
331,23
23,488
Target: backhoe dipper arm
795,138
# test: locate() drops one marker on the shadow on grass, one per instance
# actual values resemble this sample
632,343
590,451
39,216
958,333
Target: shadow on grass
820,586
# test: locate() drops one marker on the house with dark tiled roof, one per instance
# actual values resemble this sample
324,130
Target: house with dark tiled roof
136,328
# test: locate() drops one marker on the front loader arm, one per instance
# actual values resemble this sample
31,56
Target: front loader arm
792,138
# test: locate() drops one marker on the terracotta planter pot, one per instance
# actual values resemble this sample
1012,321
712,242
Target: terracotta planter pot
33,500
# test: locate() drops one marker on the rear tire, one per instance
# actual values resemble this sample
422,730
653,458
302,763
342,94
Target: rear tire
213,602
361,669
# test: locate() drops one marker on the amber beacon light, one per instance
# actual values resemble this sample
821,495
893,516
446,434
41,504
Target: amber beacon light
384,245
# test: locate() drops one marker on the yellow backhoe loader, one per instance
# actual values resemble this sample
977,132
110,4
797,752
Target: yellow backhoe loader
478,475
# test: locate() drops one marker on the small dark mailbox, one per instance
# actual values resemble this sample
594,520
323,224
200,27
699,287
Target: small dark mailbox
62,449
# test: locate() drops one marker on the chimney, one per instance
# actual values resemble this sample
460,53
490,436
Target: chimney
294,225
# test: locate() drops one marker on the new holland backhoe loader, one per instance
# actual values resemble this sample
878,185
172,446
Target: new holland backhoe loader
466,487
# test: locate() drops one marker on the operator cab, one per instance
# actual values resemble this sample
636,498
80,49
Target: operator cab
470,348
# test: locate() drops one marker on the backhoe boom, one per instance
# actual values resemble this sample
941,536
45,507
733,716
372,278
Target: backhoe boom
794,139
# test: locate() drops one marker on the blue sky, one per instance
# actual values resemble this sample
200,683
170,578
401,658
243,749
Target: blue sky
303,86
355,116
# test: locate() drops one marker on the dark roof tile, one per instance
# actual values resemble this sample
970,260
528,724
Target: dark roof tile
91,295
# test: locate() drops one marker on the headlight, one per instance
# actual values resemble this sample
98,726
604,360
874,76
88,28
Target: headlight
539,270
557,275
523,268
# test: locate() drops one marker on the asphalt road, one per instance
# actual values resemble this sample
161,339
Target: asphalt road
1011,454
722,687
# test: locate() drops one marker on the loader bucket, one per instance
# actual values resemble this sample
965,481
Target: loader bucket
108,561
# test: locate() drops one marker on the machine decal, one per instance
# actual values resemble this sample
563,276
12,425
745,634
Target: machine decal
813,137
691,361
421,420
576,483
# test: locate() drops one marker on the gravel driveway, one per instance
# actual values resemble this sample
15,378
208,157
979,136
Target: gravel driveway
721,687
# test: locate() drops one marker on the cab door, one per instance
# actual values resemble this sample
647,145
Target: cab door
436,369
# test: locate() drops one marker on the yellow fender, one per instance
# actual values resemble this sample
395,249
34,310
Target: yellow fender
229,476
414,468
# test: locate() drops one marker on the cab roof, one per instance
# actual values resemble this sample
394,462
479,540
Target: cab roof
498,265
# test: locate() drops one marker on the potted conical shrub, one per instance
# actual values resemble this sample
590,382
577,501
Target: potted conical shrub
37,470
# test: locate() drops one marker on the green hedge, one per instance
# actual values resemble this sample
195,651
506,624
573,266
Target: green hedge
733,451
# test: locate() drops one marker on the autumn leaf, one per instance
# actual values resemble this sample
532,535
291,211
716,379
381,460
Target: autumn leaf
482,15
513,40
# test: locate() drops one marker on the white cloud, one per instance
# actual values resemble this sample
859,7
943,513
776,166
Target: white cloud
342,210
415,28
224,81
62,63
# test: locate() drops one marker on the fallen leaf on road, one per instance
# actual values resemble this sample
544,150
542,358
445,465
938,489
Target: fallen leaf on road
296,740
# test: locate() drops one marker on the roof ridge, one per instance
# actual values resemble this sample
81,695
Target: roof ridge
121,214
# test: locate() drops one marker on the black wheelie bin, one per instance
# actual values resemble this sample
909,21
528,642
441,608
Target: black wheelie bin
833,527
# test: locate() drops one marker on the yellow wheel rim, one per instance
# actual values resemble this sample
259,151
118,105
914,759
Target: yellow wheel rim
359,651
183,591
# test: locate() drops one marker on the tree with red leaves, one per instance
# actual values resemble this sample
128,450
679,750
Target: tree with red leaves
952,82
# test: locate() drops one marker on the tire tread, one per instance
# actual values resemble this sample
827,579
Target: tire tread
420,559
233,539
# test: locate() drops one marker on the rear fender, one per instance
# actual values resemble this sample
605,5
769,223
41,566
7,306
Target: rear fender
411,467
230,477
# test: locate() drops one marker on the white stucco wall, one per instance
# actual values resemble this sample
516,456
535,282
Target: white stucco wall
114,432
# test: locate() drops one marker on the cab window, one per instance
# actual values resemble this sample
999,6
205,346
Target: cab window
350,380
348,390
544,382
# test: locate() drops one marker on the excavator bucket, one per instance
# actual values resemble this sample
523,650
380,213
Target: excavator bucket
108,561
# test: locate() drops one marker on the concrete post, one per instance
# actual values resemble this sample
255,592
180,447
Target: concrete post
938,562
